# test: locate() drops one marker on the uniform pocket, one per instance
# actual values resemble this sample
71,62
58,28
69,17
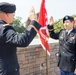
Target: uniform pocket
71,60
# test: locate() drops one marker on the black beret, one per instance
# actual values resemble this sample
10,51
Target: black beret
68,18
7,7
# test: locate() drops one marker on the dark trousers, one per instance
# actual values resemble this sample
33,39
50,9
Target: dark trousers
4,72
66,73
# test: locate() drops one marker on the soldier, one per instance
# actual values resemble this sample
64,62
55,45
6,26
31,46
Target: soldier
10,40
67,45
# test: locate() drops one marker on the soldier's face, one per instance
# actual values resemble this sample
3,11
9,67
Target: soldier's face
68,24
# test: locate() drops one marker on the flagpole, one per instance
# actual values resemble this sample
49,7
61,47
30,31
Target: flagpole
46,56
42,20
46,63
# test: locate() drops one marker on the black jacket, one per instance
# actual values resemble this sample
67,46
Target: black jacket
9,41
67,49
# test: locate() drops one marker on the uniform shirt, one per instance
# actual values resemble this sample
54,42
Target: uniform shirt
69,30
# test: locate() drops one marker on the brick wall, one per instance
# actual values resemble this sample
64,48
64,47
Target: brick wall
32,60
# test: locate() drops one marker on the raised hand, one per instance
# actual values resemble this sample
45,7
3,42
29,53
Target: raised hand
51,21
32,15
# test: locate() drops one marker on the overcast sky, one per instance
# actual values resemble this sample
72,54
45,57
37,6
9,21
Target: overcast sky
56,8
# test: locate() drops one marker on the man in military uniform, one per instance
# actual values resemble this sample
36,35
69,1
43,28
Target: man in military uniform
9,39
67,45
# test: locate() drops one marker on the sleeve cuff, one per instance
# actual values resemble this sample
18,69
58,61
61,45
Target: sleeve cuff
50,28
35,24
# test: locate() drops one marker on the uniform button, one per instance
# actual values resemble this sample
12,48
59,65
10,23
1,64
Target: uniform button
15,69
73,59
63,52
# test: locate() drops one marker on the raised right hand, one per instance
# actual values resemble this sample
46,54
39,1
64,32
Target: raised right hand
51,21
32,15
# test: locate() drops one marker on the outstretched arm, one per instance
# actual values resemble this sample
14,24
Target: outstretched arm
51,29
